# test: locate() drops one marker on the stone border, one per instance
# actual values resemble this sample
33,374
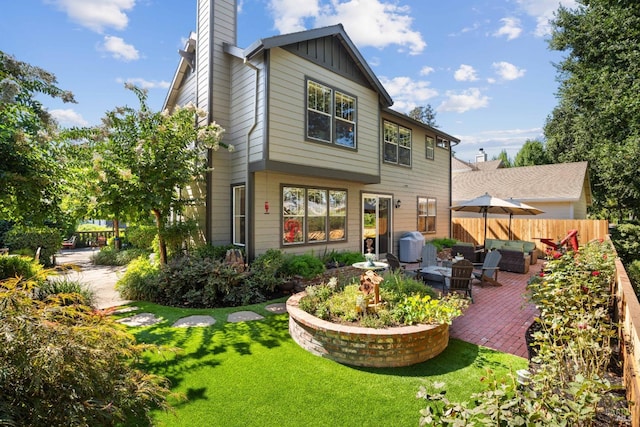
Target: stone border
369,347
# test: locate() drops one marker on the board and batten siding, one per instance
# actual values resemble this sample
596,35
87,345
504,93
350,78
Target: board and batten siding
287,111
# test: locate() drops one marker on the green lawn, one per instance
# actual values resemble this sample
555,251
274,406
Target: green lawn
254,374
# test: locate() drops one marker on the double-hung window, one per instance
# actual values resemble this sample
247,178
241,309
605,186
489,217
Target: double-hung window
397,144
331,115
311,215
426,214
429,147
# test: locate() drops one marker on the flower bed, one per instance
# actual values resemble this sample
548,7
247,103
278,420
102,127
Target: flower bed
360,346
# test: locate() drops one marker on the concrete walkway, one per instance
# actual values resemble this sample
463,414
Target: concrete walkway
101,279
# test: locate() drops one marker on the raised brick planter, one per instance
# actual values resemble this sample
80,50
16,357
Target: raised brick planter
358,346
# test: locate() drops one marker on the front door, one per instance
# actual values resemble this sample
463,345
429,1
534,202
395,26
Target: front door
376,224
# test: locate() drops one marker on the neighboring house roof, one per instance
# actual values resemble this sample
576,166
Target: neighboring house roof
458,165
543,183
452,139
187,60
331,31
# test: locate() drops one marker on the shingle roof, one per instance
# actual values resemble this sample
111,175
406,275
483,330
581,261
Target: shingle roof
458,165
557,182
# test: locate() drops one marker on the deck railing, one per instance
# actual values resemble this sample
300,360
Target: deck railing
90,238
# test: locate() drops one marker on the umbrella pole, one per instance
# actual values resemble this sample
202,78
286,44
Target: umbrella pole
510,216
484,244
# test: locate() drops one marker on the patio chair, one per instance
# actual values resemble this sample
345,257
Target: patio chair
488,270
461,278
396,266
429,255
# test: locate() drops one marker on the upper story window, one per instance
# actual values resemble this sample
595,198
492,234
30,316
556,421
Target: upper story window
442,143
331,115
397,144
429,147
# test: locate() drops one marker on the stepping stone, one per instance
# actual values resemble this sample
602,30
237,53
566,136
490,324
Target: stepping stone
142,319
189,321
279,307
125,310
243,316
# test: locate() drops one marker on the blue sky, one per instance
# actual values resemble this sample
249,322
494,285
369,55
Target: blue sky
483,65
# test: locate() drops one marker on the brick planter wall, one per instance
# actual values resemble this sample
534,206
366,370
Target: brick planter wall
358,346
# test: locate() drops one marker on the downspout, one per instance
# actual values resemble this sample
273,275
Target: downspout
250,181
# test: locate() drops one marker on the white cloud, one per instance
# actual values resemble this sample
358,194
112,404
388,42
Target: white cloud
459,102
466,73
510,28
494,141
119,49
407,93
542,11
97,14
426,70
368,22
508,71
145,84
68,118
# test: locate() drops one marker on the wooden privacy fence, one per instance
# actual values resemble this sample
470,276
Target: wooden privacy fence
527,228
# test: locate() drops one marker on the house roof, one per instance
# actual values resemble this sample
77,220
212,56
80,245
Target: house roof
415,122
330,31
458,165
543,183
187,57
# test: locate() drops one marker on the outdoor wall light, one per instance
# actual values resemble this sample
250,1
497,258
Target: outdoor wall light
398,203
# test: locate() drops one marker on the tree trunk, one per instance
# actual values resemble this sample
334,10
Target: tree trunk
116,233
162,246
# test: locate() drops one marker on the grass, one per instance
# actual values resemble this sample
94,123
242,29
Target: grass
254,374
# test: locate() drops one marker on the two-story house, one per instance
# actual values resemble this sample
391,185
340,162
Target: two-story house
321,162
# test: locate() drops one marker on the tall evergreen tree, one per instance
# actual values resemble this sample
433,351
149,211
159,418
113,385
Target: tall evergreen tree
424,114
598,115
532,153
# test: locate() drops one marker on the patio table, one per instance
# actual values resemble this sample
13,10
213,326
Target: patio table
434,275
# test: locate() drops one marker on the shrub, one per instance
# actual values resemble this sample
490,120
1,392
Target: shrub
141,236
140,281
110,256
339,259
66,292
214,252
180,235
45,238
266,270
305,265
442,243
12,266
69,365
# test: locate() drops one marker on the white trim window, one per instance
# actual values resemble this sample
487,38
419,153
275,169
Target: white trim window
239,215
442,143
429,147
426,215
331,115
397,144
311,215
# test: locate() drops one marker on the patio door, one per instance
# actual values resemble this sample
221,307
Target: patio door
376,224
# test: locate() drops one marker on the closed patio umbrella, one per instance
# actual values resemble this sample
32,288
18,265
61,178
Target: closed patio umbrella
487,204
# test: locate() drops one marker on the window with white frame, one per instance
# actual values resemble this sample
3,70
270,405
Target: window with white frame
397,144
429,147
426,214
442,143
311,215
239,213
331,115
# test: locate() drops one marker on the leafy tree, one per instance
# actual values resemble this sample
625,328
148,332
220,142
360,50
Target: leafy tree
29,168
598,115
142,158
425,115
532,153
506,161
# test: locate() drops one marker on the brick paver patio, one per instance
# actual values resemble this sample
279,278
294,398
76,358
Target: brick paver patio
500,315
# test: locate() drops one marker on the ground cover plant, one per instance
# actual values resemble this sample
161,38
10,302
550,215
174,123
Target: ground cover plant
254,374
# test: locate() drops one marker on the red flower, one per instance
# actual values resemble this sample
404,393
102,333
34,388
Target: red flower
541,274
595,273
584,289
557,255
604,256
